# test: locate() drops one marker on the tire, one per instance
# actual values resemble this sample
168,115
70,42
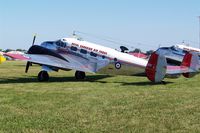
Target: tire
43,76
79,75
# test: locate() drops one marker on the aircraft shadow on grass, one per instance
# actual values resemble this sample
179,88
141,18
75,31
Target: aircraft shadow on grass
33,79
143,83
90,78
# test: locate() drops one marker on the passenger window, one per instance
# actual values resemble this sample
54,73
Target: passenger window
74,48
93,54
83,51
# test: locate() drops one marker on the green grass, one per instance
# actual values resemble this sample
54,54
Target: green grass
100,104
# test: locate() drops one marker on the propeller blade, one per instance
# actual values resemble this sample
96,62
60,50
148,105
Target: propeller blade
27,66
34,39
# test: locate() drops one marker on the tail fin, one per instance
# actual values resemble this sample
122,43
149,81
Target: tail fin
156,67
191,61
2,59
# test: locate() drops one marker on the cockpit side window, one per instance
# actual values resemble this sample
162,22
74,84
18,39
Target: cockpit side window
60,43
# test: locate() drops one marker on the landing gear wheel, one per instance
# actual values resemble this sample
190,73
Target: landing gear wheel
80,75
43,76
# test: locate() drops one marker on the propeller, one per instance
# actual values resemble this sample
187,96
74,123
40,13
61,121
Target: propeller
28,64
34,39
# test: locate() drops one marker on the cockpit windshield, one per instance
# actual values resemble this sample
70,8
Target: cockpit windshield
49,45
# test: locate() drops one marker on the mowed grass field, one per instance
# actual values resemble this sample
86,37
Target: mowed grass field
101,103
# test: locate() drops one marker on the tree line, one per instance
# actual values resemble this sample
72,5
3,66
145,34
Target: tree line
8,50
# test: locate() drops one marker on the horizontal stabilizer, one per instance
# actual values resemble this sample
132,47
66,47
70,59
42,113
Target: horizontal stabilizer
189,66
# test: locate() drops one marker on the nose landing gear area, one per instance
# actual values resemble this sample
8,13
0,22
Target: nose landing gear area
44,76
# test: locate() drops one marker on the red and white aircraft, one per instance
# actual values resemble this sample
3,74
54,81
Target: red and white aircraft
82,56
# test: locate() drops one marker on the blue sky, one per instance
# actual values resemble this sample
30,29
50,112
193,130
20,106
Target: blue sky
144,23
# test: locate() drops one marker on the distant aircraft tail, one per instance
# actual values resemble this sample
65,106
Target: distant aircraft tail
191,62
2,59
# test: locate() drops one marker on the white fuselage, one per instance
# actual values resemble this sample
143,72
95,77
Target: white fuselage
106,51
130,64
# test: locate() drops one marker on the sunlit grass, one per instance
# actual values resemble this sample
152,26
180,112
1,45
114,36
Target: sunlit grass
101,103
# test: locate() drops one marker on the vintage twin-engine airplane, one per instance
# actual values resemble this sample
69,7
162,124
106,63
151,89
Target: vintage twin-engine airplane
82,56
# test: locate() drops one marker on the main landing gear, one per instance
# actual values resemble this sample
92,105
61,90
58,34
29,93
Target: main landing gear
43,76
79,75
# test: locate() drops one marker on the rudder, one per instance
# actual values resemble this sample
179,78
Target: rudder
156,67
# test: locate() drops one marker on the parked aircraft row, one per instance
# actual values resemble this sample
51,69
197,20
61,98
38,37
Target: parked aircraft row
83,56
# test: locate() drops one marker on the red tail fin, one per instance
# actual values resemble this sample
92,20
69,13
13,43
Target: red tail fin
156,68
190,60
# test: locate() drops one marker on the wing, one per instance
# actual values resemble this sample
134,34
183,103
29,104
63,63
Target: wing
64,59
71,62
